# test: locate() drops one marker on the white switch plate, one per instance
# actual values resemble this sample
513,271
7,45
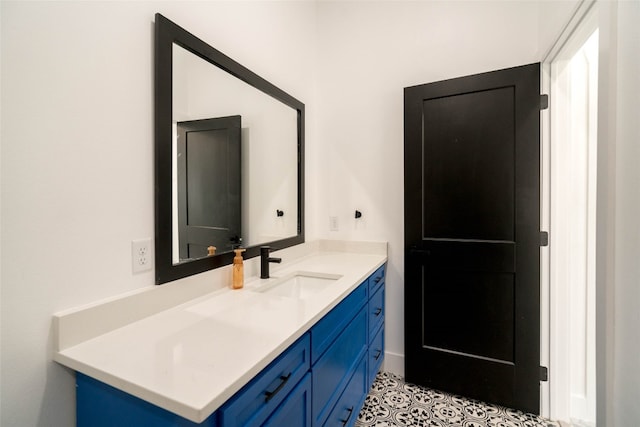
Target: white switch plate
333,223
141,255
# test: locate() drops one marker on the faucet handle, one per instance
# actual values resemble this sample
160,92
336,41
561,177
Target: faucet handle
264,252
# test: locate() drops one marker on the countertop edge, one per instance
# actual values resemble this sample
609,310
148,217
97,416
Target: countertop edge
180,408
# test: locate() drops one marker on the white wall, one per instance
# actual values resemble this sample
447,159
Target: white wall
77,153
626,320
370,51
77,145
618,234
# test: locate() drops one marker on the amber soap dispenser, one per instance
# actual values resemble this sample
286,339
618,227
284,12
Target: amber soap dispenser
238,269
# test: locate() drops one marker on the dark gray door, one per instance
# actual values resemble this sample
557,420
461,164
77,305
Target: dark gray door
472,302
209,210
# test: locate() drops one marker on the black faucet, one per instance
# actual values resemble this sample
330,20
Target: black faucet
265,259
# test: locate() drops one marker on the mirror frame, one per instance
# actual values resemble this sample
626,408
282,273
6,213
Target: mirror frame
166,34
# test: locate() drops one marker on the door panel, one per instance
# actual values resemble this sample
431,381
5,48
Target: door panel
485,329
208,153
469,194
472,236
209,208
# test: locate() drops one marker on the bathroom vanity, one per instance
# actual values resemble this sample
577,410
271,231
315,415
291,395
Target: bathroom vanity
299,349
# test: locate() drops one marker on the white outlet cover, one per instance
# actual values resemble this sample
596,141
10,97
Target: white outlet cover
333,223
141,255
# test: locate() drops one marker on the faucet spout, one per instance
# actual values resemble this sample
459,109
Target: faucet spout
265,259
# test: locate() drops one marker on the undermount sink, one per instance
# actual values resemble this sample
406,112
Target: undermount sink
301,284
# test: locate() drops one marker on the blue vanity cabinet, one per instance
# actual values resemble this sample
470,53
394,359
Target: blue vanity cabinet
342,358
320,380
376,308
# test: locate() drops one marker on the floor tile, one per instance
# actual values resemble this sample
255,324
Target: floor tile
393,402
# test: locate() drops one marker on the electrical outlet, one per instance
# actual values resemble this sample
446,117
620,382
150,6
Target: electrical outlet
141,255
333,223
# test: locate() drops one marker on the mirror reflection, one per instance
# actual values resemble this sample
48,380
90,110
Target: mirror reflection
234,167
229,158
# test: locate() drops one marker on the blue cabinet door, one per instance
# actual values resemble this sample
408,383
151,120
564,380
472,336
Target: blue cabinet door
376,356
345,411
334,369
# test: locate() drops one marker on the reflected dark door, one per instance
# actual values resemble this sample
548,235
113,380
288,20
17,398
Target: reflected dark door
209,211
472,304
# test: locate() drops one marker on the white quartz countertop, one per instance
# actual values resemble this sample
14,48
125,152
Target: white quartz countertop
191,358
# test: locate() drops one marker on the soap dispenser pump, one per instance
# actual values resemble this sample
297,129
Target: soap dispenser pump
238,270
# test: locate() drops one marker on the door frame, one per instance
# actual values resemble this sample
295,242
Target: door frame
554,399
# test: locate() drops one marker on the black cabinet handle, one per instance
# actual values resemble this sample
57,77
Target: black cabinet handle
269,394
378,311
378,354
344,422
377,279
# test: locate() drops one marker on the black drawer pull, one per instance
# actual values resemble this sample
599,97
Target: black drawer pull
378,354
378,311
377,279
344,422
269,394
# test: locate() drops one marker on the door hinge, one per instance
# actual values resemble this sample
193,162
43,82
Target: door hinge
544,102
544,373
544,238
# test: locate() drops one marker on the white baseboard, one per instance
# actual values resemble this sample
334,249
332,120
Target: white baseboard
393,363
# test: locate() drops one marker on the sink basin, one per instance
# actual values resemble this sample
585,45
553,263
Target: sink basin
301,284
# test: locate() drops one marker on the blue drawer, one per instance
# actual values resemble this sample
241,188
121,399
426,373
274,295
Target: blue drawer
295,410
329,327
376,356
376,310
258,399
333,371
345,412
377,279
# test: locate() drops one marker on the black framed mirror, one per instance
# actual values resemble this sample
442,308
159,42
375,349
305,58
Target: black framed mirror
229,158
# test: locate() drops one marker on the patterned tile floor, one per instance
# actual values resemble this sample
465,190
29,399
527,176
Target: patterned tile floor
392,402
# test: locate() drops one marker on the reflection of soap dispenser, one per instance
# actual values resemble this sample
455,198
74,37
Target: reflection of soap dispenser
238,269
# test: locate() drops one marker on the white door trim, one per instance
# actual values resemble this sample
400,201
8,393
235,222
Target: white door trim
555,394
